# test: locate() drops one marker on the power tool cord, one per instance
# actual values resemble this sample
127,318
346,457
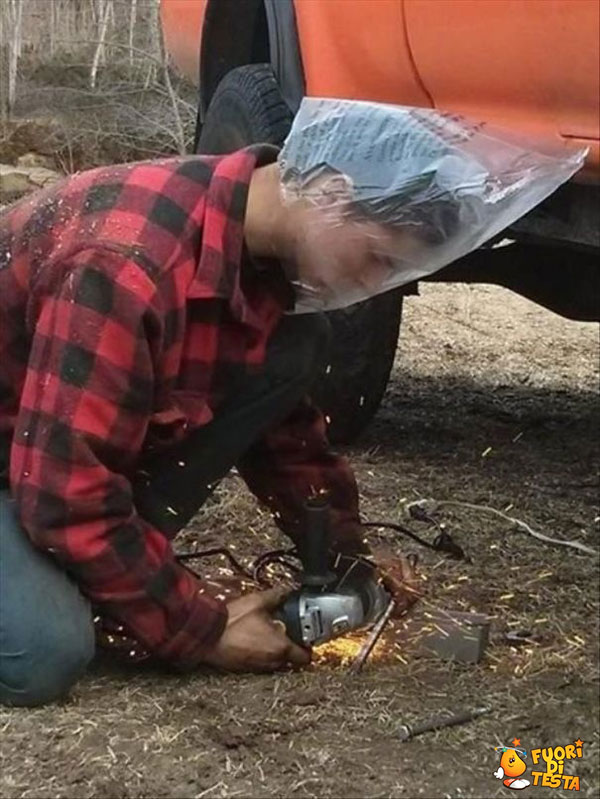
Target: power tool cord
288,557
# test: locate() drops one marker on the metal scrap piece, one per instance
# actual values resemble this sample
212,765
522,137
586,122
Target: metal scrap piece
374,636
408,731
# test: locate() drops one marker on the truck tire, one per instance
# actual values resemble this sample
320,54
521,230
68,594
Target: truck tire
247,107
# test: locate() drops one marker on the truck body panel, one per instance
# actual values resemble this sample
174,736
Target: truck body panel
531,66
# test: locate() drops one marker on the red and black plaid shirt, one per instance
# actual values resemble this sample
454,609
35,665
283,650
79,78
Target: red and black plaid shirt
98,354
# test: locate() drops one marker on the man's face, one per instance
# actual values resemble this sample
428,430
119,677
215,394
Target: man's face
337,255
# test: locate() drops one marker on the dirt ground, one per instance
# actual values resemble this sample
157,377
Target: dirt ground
493,401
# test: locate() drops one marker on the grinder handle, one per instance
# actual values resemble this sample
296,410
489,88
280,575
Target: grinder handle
313,548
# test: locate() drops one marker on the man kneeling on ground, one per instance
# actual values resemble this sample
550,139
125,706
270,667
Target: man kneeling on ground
145,349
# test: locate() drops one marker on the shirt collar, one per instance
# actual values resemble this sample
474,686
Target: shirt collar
222,248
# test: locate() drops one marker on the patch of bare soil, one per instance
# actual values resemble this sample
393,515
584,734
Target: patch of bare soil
493,401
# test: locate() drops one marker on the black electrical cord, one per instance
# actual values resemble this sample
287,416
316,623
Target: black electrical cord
285,557
206,553
443,542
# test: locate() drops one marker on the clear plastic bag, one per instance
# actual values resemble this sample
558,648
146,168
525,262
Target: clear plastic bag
423,186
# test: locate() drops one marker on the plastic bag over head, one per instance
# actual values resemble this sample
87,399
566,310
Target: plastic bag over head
383,195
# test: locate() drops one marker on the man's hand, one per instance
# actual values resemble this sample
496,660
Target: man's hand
253,640
398,576
396,571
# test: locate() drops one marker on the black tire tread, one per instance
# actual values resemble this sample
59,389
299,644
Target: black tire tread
253,92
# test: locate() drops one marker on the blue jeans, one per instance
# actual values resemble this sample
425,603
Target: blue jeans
46,627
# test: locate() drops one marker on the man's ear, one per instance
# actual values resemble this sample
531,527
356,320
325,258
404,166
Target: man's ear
331,190
318,190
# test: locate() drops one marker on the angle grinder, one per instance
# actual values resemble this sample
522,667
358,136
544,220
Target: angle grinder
337,593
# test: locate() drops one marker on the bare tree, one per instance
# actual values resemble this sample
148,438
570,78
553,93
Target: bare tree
11,38
17,15
52,30
155,41
3,64
105,10
132,20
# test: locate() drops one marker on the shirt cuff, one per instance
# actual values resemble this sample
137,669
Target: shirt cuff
205,625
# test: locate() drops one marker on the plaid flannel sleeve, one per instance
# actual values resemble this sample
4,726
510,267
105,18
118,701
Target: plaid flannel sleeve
84,412
292,462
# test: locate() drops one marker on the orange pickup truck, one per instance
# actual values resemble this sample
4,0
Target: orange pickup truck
531,65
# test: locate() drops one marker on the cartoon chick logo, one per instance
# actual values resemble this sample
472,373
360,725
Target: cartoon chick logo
512,765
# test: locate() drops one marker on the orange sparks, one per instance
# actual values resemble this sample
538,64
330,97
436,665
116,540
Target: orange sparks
342,651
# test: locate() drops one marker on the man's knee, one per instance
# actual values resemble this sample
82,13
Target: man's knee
40,666
46,626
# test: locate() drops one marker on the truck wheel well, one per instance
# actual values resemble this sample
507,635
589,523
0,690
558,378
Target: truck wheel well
253,32
234,34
